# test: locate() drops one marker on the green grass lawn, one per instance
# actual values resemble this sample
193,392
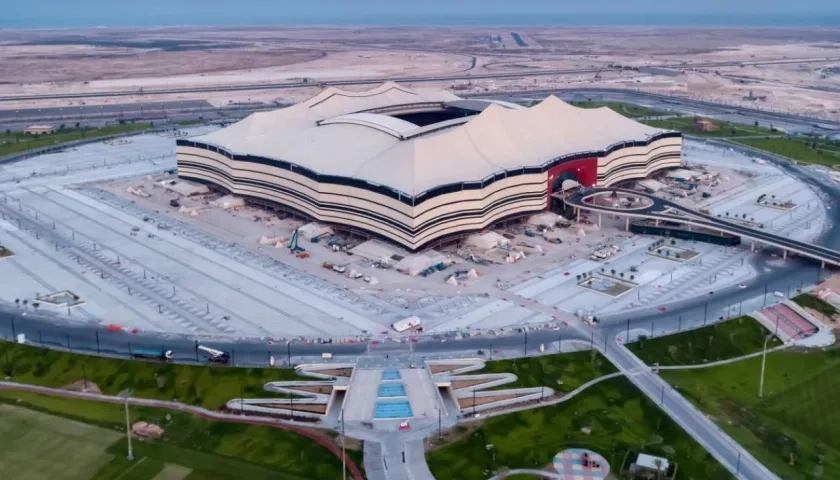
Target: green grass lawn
798,416
207,386
822,152
17,142
34,446
626,109
818,304
210,450
572,369
720,341
727,129
619,415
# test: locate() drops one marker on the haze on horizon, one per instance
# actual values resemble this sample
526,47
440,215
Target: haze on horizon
86,13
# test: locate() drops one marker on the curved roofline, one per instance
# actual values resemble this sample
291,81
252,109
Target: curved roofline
417,198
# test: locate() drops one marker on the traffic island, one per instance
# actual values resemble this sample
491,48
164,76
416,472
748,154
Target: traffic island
611,286
64,298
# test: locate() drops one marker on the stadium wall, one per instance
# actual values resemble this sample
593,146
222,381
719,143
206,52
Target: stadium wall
414,221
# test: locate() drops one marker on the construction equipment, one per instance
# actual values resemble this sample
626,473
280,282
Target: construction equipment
294,246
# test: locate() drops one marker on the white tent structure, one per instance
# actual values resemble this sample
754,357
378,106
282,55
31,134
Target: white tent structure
363,159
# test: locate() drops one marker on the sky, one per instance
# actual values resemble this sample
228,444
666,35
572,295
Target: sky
172,12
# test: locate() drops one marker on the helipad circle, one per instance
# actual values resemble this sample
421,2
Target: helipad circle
581,464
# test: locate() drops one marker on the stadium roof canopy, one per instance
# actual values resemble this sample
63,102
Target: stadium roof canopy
357,135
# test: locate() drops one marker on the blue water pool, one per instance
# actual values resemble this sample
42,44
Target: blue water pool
392,390
391,375
392,409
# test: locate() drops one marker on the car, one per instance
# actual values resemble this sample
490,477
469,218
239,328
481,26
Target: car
663,309
742,285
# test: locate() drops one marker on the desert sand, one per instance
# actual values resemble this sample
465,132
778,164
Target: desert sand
778,69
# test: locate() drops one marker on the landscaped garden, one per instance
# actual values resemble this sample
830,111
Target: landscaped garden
626,109
806,150
51,437
795,428
206,386
563,372
609,418
688,125
17,142
719,341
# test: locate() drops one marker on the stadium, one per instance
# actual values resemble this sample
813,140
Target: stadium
418,167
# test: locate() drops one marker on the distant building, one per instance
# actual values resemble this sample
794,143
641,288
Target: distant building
706,125
646,465
39,129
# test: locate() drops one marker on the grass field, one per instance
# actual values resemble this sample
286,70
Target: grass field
618,414
727,129
822,152
209,450
720,341
34,446
797,419
626,109
209,387
17,142
820,305
563,372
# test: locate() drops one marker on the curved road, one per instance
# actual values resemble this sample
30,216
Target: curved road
658,209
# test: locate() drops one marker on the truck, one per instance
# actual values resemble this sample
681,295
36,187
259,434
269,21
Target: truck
406,324
153,354
213,355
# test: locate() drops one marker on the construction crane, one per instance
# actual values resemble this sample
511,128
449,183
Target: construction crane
294,245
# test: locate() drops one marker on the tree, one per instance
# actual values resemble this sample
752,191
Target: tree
727,214
621,274
35,305
612,271
78,124
25,302
658,464
744,216
578,278
17,301
8,132
673,242
632,277
602,270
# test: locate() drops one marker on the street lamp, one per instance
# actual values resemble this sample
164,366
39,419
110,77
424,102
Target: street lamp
763,362
124,395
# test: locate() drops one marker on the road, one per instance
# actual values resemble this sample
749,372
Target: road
656,210
379,80
729,453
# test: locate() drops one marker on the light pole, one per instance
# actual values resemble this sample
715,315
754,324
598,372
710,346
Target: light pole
125,394
343,448
763,362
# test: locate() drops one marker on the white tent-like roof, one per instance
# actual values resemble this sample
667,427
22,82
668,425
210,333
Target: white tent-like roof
335,133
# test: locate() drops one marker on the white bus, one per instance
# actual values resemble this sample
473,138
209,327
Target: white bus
406,324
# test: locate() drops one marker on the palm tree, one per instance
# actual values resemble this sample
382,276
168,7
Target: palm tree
632,277
621,274
612,271
578,278
35,305
17,301
25,302
658,463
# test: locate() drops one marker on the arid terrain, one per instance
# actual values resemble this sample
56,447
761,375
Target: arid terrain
781,69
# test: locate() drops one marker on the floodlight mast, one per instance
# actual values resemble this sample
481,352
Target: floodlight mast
125,394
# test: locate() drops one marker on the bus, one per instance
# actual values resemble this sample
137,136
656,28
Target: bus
406,324
162,355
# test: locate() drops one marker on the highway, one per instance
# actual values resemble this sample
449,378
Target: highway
379,80
664,210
